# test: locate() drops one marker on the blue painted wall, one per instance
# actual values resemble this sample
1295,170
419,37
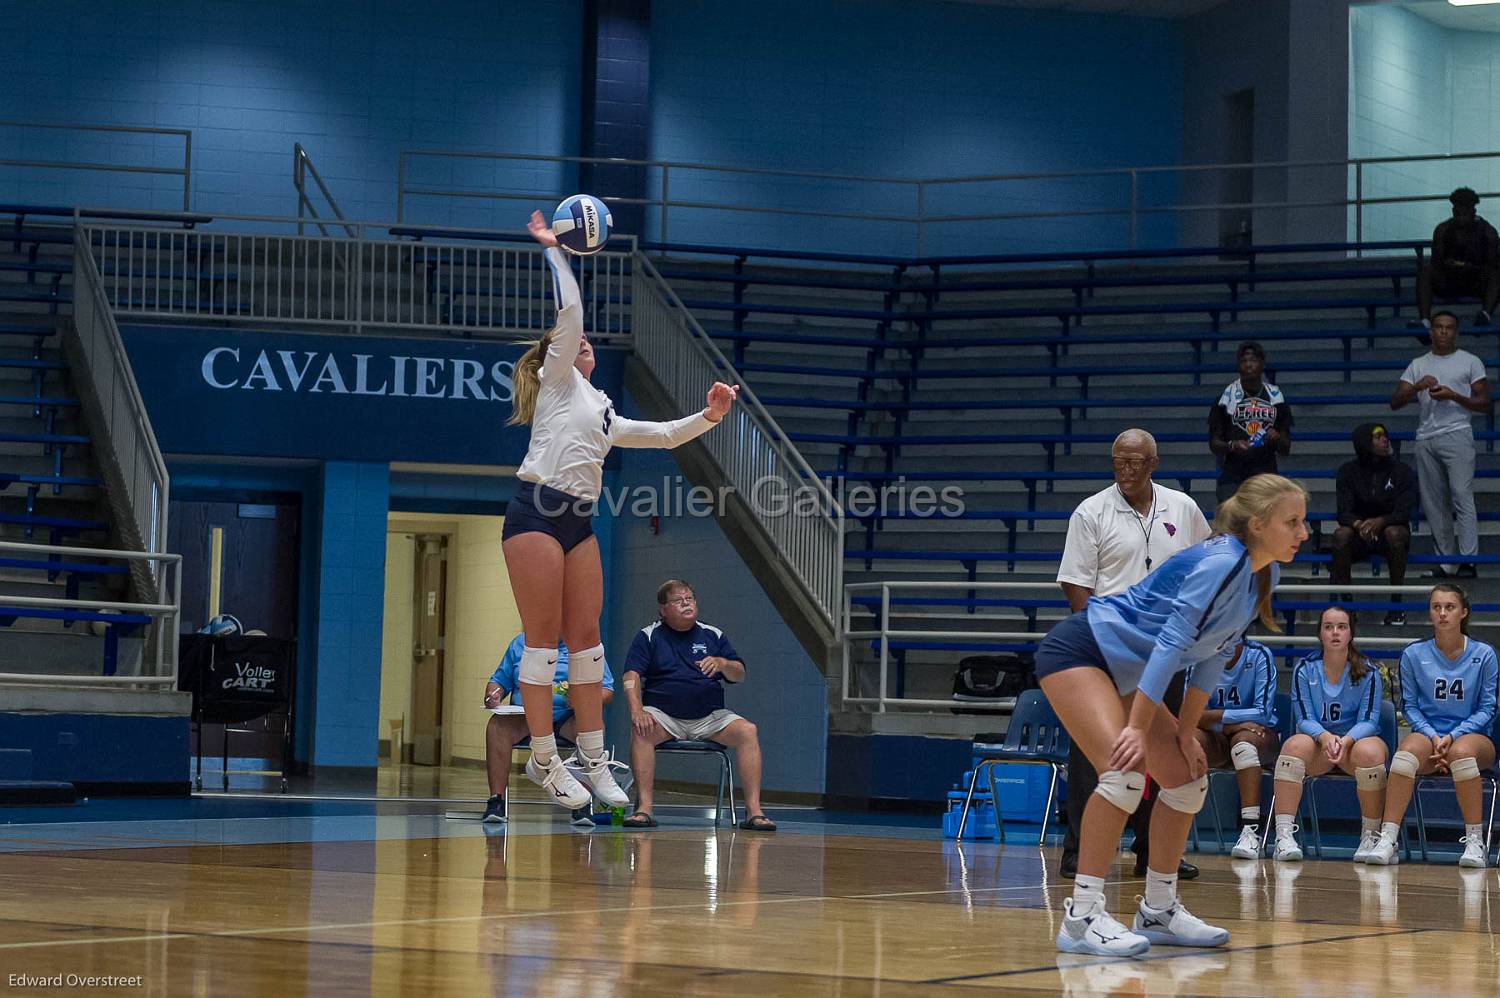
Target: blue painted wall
924,89
1417,88
353,80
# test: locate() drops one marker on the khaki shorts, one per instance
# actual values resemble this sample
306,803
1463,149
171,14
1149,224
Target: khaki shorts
695,729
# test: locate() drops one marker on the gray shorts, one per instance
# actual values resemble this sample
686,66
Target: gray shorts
695,729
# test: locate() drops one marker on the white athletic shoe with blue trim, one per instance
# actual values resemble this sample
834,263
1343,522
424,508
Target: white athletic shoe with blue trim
596,776
1176,926
562,789
1099,934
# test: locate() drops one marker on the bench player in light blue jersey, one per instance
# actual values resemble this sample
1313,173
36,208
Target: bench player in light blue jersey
1448,693
1336,694
1104,670
1238,728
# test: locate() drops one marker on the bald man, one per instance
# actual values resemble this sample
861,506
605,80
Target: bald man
1115,539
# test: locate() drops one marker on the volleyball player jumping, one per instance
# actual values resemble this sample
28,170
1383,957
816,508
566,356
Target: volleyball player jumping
551,553
1104,670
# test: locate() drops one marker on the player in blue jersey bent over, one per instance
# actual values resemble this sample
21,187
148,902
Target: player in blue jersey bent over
1448,693
1336,694
1238,728
1104,670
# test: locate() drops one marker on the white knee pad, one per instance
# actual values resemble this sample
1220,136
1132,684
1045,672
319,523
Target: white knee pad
1464,769
1123,790
1290,769
1244,756
1403,763
1369,777
1188,798
538,666
586,666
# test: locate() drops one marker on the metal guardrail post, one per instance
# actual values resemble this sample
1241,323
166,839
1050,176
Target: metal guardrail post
666,200
1359,206
1135,204
885,641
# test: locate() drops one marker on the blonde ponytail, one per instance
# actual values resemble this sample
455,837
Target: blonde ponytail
1255,499
526,380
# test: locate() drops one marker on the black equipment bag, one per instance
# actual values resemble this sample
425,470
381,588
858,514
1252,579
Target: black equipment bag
992,679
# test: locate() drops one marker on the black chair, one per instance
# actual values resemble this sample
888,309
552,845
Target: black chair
726,769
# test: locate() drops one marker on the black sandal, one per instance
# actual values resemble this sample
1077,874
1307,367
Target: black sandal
641,819
758,823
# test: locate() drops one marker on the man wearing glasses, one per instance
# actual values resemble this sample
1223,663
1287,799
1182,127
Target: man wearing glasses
674,681
1115,538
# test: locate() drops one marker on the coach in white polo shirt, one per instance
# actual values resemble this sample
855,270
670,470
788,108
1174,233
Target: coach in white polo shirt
1115,538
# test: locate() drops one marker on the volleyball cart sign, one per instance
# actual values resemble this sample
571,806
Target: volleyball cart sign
213,391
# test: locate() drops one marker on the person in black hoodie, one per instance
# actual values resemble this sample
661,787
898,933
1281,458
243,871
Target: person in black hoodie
1376,495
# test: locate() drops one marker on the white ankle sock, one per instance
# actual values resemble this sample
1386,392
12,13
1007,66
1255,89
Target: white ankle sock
1250,815
1390,830
591,744
1474,833
1368,825
1161,889
1284,824
544,749
1088,895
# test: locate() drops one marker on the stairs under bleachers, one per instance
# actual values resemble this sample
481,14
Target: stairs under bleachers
51,492
974,381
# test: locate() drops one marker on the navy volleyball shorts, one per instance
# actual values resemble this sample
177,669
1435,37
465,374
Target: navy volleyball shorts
569,520
1069,644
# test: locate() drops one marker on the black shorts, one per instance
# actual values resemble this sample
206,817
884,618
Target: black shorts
1069,644
539,508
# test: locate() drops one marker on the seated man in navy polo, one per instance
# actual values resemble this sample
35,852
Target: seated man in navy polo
506,732
674,681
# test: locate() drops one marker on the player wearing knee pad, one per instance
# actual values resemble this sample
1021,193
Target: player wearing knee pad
1448,690
1122,789
1241,720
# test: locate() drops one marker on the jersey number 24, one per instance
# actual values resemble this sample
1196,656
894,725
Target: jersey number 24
1443,689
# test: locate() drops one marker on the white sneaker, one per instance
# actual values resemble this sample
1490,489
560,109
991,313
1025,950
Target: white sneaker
1287,849
1176,926
1098,934
1384,852
1474,857
562,789
1367,842
1248,844
595,775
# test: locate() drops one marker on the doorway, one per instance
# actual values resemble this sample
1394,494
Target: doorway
240,558
1237,187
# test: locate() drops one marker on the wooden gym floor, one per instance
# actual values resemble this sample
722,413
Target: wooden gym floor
284,898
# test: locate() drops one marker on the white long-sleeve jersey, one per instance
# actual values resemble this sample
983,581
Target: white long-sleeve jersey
575,424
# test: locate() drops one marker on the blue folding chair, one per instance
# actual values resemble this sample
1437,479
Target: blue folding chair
1387,733
1035,737
1490,776
1282,704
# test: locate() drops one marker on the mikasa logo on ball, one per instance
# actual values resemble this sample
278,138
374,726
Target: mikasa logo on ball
590,221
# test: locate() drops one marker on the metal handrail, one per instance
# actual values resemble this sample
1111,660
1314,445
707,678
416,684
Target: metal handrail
165,567
184,171
919,217
143,483
884,634
302,164
814,551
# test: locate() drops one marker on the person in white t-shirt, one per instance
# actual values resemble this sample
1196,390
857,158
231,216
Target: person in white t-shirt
1115,538
1449,386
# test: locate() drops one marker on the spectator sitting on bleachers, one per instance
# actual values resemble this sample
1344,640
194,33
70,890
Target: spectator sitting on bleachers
1250,425
1465,261
1449,386
1238,728
674,681
505,732
1376,496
